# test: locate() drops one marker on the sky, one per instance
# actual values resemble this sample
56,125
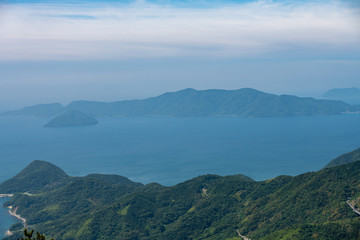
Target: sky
60,51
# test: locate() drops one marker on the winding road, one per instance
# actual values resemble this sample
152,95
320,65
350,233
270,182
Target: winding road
353,207
243,237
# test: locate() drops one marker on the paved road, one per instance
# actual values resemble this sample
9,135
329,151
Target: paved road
243,237
353,207
6,195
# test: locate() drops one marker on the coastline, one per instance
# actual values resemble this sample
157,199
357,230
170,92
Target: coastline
5,195
13,213
2,195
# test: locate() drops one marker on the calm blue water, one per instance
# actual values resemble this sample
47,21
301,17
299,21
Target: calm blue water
171,150
6,220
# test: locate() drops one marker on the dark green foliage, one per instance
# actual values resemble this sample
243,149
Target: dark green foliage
345,158
71,118
28,235
308,206
57,211
344,230
16,227
38,176
112,179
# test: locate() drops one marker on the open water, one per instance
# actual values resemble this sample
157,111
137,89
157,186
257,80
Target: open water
170,150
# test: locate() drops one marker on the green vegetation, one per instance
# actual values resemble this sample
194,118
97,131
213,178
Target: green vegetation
244,102
308,206
28,235
345,158
16,227
38,176
71,118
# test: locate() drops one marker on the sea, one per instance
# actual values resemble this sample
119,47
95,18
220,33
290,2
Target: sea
169,150
6,220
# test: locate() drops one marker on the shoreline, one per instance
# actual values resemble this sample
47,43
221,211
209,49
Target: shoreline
13,213
5,195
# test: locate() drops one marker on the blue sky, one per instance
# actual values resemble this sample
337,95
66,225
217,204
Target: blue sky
53,51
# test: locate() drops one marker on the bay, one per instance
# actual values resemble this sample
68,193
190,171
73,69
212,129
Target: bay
170,150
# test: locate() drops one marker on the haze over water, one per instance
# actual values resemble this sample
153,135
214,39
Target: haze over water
60,51
170,150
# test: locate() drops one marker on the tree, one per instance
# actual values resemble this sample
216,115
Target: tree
29,235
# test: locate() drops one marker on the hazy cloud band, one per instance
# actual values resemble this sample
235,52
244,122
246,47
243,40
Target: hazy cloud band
95,31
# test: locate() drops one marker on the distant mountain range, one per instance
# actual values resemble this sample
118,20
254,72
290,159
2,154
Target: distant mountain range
311,206
348,95
40,110
244,102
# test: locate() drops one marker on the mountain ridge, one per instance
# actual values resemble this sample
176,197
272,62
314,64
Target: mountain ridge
205,207
349,95
37,176
39,110
245,102
345,158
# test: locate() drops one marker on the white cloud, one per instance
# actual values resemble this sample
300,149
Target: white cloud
41,32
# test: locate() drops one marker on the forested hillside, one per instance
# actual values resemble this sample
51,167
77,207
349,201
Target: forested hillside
345,158
37,176
308,206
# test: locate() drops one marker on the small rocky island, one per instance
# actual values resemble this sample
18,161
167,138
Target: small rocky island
71,119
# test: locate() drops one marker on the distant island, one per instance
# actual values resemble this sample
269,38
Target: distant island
348,95
71,119
314,205
244,102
